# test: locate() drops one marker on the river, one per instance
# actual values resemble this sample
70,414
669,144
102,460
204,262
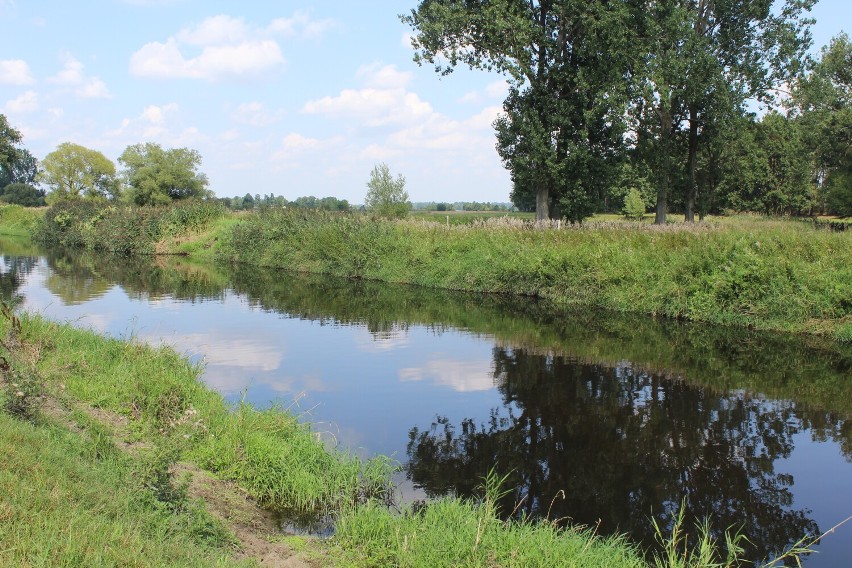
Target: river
602,419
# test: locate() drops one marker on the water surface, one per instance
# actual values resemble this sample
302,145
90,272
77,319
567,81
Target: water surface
604,420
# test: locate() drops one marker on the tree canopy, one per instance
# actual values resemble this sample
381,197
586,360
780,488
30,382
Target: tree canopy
595,82
73,171
156,176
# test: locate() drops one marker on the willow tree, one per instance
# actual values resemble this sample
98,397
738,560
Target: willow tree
568,63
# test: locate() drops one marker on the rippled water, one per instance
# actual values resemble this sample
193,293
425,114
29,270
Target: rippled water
603,419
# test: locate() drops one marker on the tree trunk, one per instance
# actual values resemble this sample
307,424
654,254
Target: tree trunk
691,162
542,204
662,203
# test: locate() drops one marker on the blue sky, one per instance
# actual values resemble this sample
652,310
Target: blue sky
291,98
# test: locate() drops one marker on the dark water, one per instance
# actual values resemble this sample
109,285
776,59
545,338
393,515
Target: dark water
601,419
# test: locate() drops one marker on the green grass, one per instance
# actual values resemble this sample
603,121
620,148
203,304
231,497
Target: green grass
64,505
19,221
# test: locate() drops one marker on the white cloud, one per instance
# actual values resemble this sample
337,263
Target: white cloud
93,88
72,75
157,114
300,24
383,76
497,89
294,146
229,47
256,114
15,72
165,60
216,30
24,103
375,107
405,41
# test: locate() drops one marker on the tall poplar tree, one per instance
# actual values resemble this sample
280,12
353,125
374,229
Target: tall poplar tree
568,62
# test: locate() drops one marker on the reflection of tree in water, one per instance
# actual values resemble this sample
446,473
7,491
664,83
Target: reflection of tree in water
13,271
622,445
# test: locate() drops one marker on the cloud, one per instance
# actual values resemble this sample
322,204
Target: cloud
221,47
72,75
300,24
165,60
15,72
294,146
256,114
383,76
152,123
26,102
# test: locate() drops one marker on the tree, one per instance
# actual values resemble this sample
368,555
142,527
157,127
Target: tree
703,60
386,196
23,169
155,176
73,171
768,168
23,194
822,103
634,205
569,64
9,139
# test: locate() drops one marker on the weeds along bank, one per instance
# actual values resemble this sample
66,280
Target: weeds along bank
780,275
766,274
71,497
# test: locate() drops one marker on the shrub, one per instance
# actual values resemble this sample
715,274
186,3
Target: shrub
634,205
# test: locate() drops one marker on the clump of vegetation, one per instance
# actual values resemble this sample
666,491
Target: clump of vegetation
386,195
121,229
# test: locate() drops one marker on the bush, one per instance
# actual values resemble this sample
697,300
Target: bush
634,205
23,194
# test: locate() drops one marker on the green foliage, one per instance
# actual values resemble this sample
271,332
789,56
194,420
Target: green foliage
634,205
768,169
155,176
822,103
24,168
73,171
9,139
386,196
121,229
23,194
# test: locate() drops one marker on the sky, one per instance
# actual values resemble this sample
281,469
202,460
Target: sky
293,98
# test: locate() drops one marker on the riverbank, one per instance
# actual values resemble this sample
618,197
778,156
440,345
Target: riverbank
97,429
769,274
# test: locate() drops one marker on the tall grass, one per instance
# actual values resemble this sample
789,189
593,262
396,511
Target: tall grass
770,275
458,532
19,221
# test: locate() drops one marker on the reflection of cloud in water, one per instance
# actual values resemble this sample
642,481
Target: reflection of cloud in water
386,340
230,381
459,375
229,352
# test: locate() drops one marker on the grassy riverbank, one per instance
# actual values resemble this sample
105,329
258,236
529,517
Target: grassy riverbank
753,272
94,426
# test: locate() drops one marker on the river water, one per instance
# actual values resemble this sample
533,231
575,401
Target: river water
602,419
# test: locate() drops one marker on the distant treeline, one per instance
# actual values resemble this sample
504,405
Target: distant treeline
250,202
